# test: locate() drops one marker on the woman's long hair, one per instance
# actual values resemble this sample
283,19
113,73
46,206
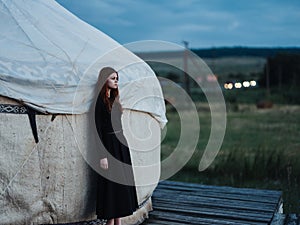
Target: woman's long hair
114,93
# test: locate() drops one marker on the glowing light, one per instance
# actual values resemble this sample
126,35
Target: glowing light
246,84
228,86
238,85
253,83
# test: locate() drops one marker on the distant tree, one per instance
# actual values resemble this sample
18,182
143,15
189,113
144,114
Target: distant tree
283,69
243,51
236,76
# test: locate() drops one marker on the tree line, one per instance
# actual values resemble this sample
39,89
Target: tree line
244,51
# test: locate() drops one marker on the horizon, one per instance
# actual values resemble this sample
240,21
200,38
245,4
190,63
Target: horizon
233,48
245,47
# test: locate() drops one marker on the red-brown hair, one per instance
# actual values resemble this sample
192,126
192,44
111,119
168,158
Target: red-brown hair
114,93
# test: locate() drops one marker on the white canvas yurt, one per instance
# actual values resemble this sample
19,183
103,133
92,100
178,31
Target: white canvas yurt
49,65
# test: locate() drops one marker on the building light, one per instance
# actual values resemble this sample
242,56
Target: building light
238,85
246,84
228,86
253,83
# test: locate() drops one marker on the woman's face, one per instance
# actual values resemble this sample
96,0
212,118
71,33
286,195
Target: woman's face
112,81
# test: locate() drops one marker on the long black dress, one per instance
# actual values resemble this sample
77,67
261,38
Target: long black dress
114,200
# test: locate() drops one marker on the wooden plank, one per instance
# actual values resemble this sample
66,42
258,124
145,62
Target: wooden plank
219,189
208,209
184,219
216,201
264,203
247,197
218,213
193,198
185,203
229,193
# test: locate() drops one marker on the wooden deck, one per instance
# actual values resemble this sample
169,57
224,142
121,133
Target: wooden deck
176,203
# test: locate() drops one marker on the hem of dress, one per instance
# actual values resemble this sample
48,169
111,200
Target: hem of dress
140,215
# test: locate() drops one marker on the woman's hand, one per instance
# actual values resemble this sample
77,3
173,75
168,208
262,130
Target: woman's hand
104,163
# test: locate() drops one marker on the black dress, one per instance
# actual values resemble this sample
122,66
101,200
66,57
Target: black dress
114,200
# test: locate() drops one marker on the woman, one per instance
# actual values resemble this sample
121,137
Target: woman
114,200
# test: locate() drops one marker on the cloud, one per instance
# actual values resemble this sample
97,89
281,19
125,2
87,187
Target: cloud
234,25
194,27
210,23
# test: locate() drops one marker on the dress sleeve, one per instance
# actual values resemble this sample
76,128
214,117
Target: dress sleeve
99,115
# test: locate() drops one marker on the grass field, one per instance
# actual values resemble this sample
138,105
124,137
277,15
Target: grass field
261,149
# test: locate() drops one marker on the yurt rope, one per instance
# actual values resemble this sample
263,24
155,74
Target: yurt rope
20,109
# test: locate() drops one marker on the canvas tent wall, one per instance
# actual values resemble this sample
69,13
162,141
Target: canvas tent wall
49,62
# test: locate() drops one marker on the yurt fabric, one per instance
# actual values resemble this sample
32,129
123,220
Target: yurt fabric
45,51
49,64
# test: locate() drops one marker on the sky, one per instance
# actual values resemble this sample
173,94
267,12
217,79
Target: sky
202,23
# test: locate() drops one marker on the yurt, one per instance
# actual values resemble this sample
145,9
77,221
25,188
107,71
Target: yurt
49,65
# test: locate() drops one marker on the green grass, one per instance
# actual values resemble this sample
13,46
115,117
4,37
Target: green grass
261,149
253,95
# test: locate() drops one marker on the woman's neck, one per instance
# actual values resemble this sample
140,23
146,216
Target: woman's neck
108,93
